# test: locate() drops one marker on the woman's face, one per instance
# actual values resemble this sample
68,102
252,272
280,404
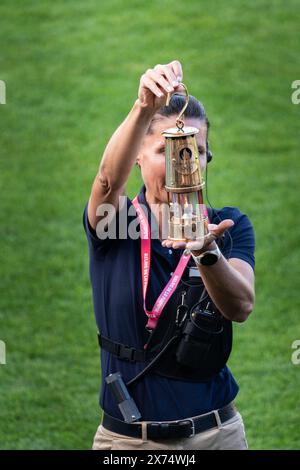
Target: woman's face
152,155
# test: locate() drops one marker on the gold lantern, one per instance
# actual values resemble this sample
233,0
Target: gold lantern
184,182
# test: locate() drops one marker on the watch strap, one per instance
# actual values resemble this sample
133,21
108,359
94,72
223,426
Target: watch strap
198,258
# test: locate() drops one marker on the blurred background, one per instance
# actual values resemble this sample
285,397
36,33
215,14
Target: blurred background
72,70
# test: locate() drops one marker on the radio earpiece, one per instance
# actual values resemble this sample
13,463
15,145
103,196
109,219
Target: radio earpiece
209,154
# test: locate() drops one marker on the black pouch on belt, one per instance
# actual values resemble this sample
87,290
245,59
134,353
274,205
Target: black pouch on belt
199,336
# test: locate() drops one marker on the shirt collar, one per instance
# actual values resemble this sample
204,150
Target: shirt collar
142,197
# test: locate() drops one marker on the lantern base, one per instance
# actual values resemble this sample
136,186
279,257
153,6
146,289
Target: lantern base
195,231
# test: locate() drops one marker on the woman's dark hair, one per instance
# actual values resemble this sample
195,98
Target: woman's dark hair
195,109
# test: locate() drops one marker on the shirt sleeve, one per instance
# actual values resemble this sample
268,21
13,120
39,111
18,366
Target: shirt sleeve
240,239
96,245
100,243
90,232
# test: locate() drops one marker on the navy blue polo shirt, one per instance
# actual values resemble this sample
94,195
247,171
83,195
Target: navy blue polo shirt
115,274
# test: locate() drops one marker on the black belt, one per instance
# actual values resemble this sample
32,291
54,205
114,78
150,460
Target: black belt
171,429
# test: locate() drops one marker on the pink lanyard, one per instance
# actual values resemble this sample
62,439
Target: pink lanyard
171,286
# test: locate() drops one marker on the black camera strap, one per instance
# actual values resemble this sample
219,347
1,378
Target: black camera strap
121,351
152,363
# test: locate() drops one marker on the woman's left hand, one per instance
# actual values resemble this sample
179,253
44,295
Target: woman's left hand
215,231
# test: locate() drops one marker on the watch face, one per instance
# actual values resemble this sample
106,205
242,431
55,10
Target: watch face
209,258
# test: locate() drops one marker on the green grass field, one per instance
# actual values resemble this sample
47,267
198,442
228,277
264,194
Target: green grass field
72,71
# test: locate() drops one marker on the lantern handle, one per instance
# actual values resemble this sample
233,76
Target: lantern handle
179,121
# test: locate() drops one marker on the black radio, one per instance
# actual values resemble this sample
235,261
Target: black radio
197,335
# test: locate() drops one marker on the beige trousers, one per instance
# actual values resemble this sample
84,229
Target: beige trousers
227,436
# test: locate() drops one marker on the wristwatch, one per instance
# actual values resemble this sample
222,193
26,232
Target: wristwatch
208,258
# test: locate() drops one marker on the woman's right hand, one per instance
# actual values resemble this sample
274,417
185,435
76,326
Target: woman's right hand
156,83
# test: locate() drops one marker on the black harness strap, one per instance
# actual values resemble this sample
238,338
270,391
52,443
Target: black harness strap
121,350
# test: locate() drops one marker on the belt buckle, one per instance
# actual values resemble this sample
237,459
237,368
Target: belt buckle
193,427
127,352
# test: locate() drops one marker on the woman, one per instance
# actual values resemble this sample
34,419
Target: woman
180,407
